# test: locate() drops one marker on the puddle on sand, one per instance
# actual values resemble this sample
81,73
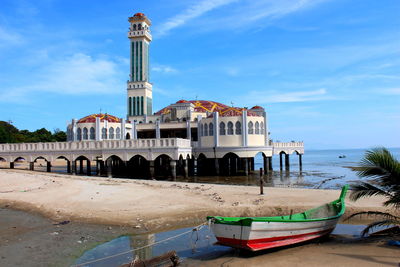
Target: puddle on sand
185,245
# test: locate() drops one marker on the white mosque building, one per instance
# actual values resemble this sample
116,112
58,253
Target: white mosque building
223,137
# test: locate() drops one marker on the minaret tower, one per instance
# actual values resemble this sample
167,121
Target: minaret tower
140,94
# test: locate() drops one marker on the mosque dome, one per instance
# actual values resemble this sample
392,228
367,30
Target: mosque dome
139,15
103,117
199,106
257,107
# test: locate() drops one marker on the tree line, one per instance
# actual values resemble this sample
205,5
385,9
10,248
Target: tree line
10,134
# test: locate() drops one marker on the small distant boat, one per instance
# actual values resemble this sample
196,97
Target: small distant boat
258,233
342,156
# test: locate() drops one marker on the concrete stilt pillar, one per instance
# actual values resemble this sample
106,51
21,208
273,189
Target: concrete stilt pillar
252,164
287,162
109,168
246,166
270,163
102,167
48,166
68,166
266,165
280,162
151,169
300,162
173,169
81,166
97,167
74,167
88,168
185,168
195,170
31,166
12,165
216,166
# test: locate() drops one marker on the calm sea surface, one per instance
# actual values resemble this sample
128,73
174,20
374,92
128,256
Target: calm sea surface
321,168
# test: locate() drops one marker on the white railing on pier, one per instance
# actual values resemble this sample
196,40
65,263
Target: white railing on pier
97,145
287,144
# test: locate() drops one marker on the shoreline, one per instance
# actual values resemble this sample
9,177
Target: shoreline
153,205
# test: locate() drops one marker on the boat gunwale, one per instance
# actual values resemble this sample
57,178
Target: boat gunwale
246,221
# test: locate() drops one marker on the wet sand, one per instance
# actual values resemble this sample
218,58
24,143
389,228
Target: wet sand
32,240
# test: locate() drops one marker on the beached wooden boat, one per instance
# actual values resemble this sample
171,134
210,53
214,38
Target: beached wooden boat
257,233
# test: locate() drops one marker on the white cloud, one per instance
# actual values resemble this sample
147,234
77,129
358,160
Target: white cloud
190,13
240,14
264,97
78,74
391,91
8,37
164,69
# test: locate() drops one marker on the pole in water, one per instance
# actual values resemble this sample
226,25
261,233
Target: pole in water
261,182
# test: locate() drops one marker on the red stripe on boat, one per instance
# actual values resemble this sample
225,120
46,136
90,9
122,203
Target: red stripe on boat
272,242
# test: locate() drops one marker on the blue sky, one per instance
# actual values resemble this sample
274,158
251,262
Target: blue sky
326,71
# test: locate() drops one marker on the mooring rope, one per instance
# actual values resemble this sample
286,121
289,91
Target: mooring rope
196,228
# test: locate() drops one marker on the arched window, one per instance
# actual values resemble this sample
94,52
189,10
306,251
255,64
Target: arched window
85,134
257,131
92,134
139,27
79,134
238,128
230,128
205,129
222,128
111,133
134,27
104,133
201,130
251,130
118,133
211,129
262,128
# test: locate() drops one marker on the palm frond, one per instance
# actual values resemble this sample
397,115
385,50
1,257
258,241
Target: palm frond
393,201
377,224
379,163
385,215
366,190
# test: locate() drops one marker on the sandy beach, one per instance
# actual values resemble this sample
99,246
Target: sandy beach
144,206
152,205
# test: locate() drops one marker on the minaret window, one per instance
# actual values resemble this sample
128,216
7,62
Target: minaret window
205,129
85,133
261,128
222,128
139,27
201,130
238,128
134,27
257,128
211,129
92,133
251,129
